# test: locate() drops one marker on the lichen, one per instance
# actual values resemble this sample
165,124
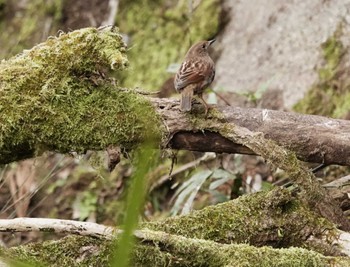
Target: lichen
57,96
330,96
161,32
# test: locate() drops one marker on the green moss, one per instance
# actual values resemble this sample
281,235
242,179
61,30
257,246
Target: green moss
333,50
173,251
330,95
70,251
342,106
56,97
161,32
206,238
228,222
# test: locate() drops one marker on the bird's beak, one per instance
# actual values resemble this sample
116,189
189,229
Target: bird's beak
212,41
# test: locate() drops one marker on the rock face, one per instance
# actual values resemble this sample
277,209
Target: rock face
277,44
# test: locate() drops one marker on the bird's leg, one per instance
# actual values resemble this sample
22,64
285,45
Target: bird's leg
206,106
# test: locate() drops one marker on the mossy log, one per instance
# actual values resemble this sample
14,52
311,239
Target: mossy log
220,123
166,250
234,233
161,249
274,218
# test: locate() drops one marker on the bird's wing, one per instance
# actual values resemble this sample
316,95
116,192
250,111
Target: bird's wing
190,72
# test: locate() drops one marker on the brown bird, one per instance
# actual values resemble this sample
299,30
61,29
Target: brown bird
195,75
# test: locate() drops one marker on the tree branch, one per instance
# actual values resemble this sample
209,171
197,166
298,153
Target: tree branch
57,226
312,138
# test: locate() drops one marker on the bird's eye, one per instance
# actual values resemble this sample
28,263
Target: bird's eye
203,46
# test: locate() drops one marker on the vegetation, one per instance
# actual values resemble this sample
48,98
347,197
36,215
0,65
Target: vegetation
330,94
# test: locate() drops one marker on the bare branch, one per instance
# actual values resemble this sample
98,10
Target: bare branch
339,183
57,226
312,138
206,157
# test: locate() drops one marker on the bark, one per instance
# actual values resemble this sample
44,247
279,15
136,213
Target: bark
312,138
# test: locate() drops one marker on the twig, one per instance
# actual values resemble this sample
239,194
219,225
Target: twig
222,98
206,157
138,91
339,183
57,226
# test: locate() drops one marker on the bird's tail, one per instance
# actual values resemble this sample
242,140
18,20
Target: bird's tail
186,98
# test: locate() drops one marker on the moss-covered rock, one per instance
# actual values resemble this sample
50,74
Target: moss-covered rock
330,96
